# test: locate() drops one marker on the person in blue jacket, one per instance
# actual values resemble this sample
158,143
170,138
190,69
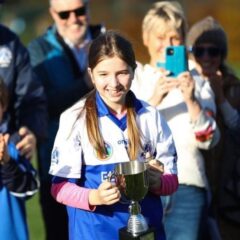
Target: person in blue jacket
18,180
26,110
59,57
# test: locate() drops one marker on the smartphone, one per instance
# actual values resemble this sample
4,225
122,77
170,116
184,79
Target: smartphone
176,60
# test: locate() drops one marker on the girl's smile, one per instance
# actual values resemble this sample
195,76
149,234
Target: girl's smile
112,78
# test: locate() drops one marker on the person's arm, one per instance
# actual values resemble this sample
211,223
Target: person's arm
202,119
18,175
67,192
164,167
162,87
70,194
28,142
224,99
19,179
169,185
161,183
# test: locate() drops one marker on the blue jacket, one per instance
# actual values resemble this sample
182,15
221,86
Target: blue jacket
18,182
27,102
63,80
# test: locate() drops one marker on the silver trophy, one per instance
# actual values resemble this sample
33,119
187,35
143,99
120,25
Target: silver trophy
134,177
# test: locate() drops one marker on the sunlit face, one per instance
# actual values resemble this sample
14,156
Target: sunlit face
112,78
208,62
73,28
156,41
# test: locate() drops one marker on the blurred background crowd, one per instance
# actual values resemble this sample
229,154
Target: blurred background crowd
30,18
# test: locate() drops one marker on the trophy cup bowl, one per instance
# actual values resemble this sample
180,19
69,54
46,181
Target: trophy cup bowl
135,188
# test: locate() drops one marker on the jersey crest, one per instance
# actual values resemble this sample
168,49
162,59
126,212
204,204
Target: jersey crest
5,57
109,152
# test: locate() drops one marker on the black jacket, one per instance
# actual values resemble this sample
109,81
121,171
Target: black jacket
18,175
27,101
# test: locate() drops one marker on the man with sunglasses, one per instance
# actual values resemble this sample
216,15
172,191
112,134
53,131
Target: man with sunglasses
59,57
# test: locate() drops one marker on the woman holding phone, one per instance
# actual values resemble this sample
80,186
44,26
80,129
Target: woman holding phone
188,106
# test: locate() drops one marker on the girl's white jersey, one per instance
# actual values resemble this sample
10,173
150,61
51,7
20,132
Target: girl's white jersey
72,148
74,158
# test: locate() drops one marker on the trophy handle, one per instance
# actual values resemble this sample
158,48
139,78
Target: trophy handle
113,177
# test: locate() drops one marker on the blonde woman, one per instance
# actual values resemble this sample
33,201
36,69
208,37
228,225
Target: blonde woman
188,106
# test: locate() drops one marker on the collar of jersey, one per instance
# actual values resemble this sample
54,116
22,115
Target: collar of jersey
103,110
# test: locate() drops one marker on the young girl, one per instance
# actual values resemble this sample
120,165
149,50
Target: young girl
107,127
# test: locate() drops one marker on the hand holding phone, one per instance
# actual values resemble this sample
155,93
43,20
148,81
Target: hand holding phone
176,60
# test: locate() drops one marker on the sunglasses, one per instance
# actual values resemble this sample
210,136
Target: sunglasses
81,11
210,51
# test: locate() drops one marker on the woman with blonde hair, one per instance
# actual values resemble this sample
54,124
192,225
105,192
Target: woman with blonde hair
188,106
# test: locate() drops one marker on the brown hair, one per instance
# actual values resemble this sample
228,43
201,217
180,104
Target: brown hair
108,45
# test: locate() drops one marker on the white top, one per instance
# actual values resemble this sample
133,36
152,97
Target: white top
72,148
190,160
81,52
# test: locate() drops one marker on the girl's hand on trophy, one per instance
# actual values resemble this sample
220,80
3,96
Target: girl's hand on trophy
106,194
155,171
156,164
154,177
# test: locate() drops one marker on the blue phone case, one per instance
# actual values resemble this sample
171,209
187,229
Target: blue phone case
176,60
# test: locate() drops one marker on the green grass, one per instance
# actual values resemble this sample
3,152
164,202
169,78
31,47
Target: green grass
34,216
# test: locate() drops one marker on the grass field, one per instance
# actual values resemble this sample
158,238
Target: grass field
35,222
34,216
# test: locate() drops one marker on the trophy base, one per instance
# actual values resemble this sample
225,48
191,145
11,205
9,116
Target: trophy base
125,235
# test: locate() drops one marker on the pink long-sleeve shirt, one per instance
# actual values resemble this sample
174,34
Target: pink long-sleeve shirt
75,196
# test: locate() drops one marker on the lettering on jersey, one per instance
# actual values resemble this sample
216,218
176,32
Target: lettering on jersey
109,150
108,176
5,57
123,142
55,156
